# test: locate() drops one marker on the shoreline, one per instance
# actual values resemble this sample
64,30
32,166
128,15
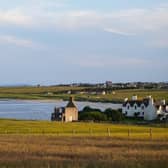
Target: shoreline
58,100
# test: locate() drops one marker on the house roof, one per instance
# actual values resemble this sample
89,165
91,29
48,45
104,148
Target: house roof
138,102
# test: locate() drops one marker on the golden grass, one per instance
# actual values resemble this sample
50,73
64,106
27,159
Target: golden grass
31,151
43,144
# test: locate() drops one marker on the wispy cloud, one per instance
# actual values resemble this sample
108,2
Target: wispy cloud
118,32
16,41
130,22
123,22
16,17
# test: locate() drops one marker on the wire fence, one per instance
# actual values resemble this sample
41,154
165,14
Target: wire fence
127,133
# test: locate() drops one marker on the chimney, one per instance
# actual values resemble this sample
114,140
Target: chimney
71,99
135,97
151,99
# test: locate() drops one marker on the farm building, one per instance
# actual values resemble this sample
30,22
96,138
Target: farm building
146,108
66,114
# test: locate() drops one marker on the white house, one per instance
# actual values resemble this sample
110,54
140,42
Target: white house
146,108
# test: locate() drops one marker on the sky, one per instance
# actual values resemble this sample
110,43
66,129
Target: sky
67,41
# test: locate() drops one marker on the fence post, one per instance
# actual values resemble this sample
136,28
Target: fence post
108,131
150,133
90,130
73,132
128,133
43,131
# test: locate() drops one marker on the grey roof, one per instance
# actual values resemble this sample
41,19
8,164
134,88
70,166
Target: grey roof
138,102
71,104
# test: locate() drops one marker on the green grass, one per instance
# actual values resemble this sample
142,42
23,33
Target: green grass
79,129
59,93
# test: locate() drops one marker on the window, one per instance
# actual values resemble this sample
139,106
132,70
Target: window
142,107
126,112
135,107
143,113
128,107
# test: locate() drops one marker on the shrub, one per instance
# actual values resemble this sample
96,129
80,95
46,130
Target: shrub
114,115
94,116
89,109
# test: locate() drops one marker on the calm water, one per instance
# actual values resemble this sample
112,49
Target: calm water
36,110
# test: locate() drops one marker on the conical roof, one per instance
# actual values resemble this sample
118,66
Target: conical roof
71,103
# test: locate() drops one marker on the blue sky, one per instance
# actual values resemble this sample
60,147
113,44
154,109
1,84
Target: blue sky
65,41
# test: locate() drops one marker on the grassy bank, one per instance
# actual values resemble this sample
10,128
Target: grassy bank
38,93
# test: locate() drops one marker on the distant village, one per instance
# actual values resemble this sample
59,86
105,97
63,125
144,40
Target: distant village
109,87
128,85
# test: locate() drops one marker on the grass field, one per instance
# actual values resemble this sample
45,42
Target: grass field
42,144
41,93
82,129
43,151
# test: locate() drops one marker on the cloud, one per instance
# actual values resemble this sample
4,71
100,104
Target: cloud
118,32
16,41
150,23
123,22
15,17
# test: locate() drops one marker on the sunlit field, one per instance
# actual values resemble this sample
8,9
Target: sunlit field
82,129
79,152
75,145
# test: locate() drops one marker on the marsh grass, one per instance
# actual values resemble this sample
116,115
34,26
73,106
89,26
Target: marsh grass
52,151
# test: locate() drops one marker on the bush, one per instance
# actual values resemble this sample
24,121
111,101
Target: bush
89,109
89,113
114,115
94,116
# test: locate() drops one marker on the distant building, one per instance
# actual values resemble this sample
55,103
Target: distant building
146,108
109,84
101,93
66,114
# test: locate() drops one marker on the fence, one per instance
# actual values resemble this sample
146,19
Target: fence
127,133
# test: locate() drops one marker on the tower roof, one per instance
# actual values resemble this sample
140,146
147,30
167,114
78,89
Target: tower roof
71,103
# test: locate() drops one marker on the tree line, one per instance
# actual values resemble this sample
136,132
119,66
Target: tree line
93,114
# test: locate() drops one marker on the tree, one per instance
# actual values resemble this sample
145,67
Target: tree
114,115
89,109
94,116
